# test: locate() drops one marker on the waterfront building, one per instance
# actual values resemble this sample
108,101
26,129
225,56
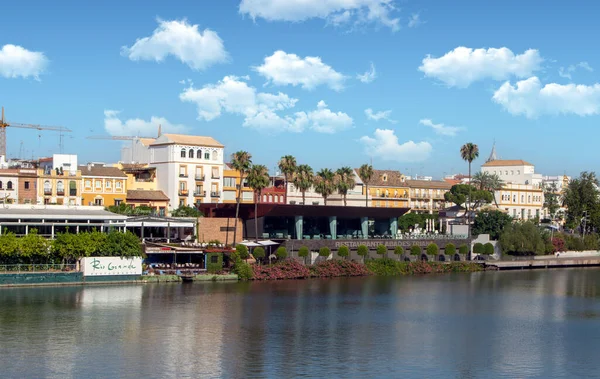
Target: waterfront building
275,193
427,196
59,180
231,183
102,185
184,165
354,198
388,189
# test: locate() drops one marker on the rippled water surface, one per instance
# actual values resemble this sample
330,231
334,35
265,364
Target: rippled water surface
542,324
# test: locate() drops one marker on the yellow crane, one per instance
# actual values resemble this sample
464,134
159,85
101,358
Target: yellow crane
5,124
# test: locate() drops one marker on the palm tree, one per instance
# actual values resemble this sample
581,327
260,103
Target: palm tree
485,181
287,165
469,152
303,179
365,173
240,161
344,181
258,179
325,183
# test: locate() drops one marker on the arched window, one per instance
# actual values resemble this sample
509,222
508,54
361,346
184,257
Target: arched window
191,154
214,155
264,198
60,187
270,198
199,154
72,188
183,153
9,185
47,186
277,198
0,184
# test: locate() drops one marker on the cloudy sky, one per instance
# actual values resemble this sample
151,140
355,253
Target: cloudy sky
401,83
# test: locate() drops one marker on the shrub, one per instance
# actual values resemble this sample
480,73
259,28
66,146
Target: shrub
243,270
450,249
287,269
432,249
259,253
488,249
242,251
415,250
478,248
214,267
463,249
281,252
558,244
387,267
343,251
381,249
398,250
303,252
324,252
335,268
362,250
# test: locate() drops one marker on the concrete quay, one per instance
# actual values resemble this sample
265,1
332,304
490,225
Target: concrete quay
556,262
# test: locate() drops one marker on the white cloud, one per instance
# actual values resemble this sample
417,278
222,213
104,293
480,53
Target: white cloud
414,21
282,69
138,127
381,115
260,109
336,11
16,61
197,49
566,73
384,145
441,129
528,97
368,76
463,66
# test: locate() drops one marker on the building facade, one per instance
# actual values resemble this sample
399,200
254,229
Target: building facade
427,196
59,180
155,199
102,185
231,183
9,186
354,198
388,189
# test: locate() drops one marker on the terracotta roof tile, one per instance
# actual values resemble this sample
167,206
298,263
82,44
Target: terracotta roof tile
103,171
506,162
393,178
167,138
146,195
429,184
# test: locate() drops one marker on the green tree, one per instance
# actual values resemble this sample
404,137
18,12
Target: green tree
522,238
398,251
409,220
33,247
432,249
551,199
242,251
324,251
365,173
186,211
490,222
450,249
303,253
258,253
381,249
344,181
463,249
324,183
343,251
478,248
119,244
281,253
581,198
288,166
469,152
488,249
240,161
460,193
9,247
363,251
415,250
485,181
258,179
122,209
303,180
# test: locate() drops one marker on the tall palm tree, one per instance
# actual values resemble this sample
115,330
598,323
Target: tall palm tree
485,181
365,173
469,152
240,161
287,165
258,179
303,179
325,183
344,181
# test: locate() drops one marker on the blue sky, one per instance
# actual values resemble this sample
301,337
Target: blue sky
274,78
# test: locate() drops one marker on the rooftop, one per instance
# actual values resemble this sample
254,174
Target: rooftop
56,212
386,178
103,171
166,139
506,162
149,195
433,184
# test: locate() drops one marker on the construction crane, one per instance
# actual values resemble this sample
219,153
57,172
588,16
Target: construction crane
5,124
117,138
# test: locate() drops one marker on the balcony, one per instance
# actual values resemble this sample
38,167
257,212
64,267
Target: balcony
47,192
58,192
200,178
215,194
199,193
183,175
183,192
216,176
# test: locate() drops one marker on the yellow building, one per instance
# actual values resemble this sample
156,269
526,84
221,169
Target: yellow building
231,181
521,201
427,196
388,189
59,182
140,176
102,185
155,199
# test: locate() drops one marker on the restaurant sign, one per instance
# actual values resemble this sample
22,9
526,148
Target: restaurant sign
97,266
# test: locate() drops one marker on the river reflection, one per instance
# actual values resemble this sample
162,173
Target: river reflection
496,324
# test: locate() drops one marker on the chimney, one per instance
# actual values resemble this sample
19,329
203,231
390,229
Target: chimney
89,166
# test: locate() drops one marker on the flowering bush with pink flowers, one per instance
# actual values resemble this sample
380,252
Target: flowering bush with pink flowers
286,269
335,268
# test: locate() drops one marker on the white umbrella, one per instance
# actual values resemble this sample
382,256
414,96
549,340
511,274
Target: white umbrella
250,243
268,243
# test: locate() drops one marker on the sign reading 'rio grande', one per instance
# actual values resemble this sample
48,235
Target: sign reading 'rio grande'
96,266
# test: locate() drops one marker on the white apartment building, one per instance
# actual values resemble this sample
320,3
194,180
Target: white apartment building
9,186
189,169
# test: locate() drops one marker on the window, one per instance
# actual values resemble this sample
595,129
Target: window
214,259
214,155
118,202
60,187
264,198
522,198
215,172
229,182
88,184
9,185
181,202
118,185
518,172
182,153
512,172
529,199
198,190
191,154
98,184
47,187
72,188
206,155
26,185
0,184
108,184
98,201
506,172
199,154
182,171
182,186
199,175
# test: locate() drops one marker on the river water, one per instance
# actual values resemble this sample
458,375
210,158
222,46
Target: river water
539,324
